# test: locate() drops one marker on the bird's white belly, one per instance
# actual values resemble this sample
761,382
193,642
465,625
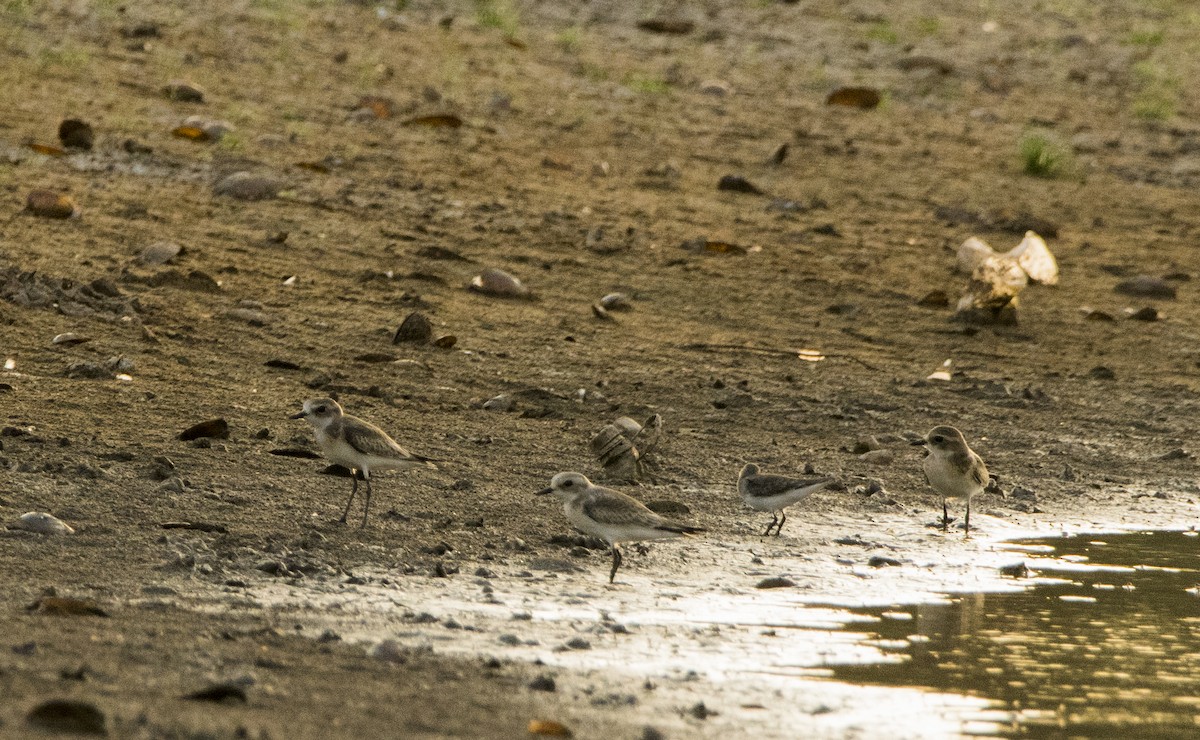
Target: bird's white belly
773,503
948,480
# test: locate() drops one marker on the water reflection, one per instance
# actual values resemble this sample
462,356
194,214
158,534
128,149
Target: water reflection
1108,646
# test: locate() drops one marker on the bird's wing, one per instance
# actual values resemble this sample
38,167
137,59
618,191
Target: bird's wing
371,440
617,509
979,472
766,486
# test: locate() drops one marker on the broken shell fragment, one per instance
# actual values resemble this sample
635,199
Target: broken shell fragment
1035,259
498,283
627,426
42,523
622,446
1032,255
971,252
991,296
943,372
616,453
648,437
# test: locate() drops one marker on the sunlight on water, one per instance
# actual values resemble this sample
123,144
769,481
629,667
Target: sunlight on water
1110,649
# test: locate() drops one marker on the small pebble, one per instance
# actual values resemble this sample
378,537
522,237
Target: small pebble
184,91
159,253
878,457
248,186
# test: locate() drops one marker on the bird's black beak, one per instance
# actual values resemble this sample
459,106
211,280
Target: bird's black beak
917,443
300,415
544,491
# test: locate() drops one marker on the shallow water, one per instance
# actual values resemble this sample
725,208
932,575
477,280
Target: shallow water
1102,638
1108,647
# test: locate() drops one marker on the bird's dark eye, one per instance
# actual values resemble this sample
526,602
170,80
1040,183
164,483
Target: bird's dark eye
938,439
568,483
320,409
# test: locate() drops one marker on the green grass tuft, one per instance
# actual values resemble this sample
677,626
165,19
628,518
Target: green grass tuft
1043,156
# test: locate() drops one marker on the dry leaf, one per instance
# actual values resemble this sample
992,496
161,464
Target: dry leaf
191,133
548,728
441,120
381,107
50,151
854,97
714,247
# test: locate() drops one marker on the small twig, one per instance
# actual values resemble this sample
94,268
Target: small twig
716,347
198,526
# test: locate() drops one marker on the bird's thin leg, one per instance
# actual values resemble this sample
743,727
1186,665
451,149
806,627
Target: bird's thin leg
774,518
945,517
782,519
616,552
353,490
367,506
967,521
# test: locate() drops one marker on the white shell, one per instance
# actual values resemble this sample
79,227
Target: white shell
616,302
1035,259
498,283
42,523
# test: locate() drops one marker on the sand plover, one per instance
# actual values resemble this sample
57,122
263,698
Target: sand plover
774,493
610,515
356,444
953,469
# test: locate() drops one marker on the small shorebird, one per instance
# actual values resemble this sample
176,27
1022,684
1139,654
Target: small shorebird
356,444
610,515
774,493
953,469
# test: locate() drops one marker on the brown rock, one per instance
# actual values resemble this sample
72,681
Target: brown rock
75,134
183,91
